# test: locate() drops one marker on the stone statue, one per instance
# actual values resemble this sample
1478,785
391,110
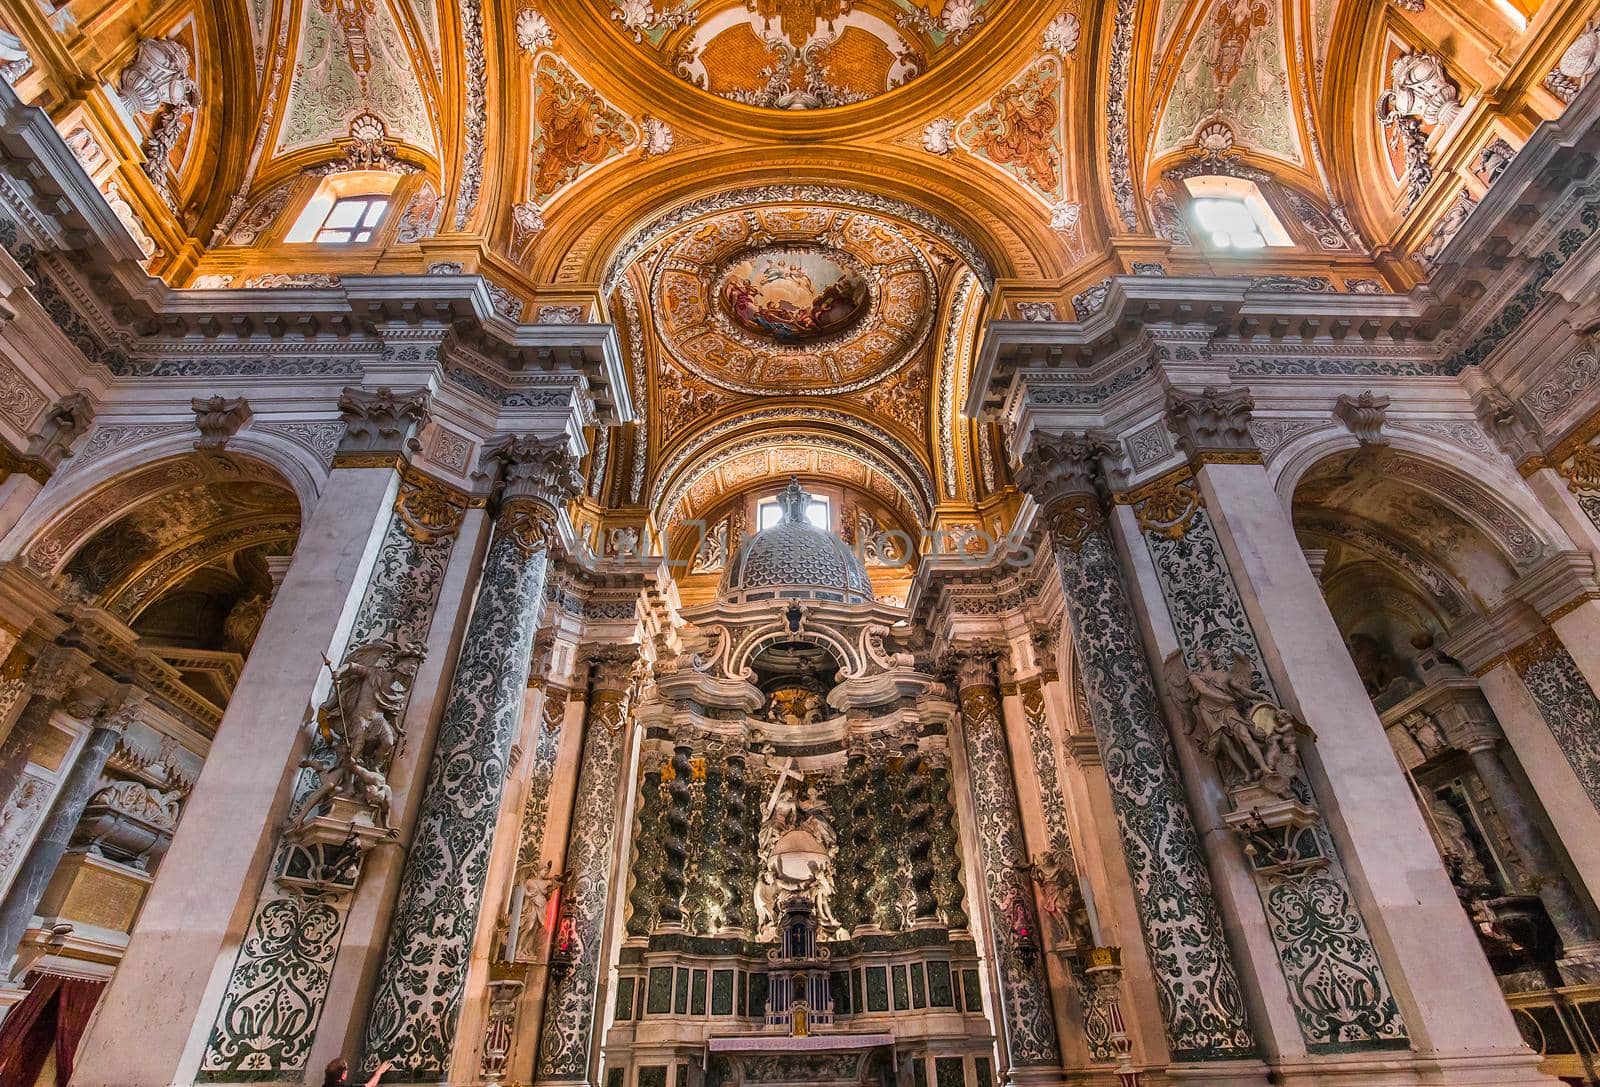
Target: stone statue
816,818
536,894
1059,897
1252,739
359,724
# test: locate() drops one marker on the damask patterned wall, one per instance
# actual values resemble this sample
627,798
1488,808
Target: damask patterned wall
1567,702
417,1003
1096,1015
1336,983
1201,1002
1026,1010
279,984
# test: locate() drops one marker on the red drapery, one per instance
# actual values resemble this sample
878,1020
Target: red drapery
53,1014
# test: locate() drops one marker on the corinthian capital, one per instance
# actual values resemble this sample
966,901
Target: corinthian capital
975,664
529,467
381,421
1212,421
1064,465
611,666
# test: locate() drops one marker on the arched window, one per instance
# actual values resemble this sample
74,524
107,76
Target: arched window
818,512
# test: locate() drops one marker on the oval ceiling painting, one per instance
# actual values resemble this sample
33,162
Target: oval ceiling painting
794,294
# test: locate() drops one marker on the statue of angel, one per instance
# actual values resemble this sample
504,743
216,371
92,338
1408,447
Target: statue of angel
359,725
1251,738
536,893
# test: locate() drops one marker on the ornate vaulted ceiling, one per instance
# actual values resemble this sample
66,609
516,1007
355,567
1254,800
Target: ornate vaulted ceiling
799,214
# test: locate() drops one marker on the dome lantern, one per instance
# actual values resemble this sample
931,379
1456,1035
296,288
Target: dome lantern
795,560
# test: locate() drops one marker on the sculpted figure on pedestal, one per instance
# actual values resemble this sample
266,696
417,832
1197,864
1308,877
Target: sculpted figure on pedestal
1059,897
1251,738
360,724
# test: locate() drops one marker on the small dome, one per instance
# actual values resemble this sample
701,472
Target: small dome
795,560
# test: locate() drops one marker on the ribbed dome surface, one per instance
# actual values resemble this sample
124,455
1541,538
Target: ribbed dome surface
795,560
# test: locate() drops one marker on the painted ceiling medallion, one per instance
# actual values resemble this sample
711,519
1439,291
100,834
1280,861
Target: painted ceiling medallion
794,294
809,300
799,54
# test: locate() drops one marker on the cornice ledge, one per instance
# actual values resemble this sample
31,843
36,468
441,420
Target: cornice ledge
1565,578
1226,306
1479,643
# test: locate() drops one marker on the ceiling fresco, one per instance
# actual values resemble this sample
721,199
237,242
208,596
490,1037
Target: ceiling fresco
800,54
807,212
803,300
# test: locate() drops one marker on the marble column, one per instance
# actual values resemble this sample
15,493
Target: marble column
416,559
1332,980
1553,777
1469,726
1567,703
416,1006
1201,1000
570,1026
1449,1001
195,916
67,807
1026,1014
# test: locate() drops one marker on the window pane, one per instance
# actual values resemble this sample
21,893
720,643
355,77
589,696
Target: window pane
375,212
817,513
767,513
336,236
345,213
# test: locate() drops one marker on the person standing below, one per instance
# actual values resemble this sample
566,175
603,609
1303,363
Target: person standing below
338,1073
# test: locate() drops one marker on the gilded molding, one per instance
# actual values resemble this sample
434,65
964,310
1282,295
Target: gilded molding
1571,606
1543,646
397,461
1224,456
1576,438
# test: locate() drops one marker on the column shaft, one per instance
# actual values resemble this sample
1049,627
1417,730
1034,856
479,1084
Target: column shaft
417,1003
1567,913
1555,779
1024,999
1201,1000
197,909
272,972
1448,995
568,1031
33,875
